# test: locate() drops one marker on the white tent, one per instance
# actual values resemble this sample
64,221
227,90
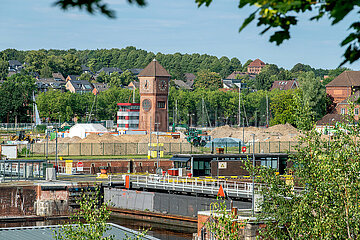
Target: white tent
83,129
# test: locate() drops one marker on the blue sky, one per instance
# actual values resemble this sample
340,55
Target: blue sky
169,26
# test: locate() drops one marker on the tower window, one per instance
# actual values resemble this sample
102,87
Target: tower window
161,104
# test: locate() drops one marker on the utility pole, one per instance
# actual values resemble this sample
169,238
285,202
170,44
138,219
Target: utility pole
150,147
56,151
243,131
157,148
267,111
47,145
253,180
239,105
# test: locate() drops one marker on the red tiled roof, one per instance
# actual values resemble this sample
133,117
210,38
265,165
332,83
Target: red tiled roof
346,79
256,63
154,69
284,85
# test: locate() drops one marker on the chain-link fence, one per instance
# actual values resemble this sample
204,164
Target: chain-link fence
122,149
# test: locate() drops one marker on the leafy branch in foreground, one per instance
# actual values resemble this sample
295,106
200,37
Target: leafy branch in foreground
222,223
89,220
324,202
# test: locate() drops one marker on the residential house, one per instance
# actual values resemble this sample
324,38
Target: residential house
344,85
109,70
344,106
45,84
134,84
232,82
189,79
72,77
79,86
86,69
255,67
135,71
58,77
15,66
99,87
179,84
284,85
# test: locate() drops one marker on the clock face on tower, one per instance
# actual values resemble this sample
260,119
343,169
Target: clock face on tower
146,105
146,84
162,85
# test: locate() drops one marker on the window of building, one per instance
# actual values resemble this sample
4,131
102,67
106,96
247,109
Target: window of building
121,117
161,104
356,111
343,111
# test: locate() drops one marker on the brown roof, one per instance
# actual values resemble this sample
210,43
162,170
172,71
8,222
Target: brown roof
235,73
284,85
181,84
256,63
154,69
346,79
58,75
331,119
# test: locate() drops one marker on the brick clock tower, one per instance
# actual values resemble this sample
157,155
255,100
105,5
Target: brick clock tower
154,89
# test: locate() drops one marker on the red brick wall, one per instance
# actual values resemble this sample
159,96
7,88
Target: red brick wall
17,201
339,93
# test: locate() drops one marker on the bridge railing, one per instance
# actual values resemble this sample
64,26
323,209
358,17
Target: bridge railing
195,185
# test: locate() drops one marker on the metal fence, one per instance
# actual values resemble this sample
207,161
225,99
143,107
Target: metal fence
122,149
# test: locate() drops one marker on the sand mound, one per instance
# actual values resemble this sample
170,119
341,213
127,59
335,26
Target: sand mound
281,132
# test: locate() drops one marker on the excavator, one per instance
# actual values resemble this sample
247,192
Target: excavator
21,136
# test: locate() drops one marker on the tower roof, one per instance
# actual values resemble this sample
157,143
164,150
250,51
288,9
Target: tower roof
257,63
154,69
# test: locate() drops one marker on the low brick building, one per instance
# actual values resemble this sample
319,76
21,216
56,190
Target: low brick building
255,66
344,85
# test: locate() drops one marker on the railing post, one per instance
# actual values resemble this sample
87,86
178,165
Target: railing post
226,144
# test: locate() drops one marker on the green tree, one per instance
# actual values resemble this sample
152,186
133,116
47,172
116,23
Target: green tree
223,224
15,98
4,66
85,76
207,79
94,215
283,107
325,202
313,94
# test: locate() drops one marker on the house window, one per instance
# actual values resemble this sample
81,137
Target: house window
161,104
356,111
343,111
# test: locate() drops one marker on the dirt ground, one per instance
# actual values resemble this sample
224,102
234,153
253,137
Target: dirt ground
281,132
284,132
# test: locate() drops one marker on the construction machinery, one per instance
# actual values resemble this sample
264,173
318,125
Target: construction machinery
21,136
196,137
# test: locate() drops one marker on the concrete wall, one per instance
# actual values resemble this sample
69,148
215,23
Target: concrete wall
173,204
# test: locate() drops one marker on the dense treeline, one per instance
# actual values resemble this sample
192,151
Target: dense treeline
205,105
69,61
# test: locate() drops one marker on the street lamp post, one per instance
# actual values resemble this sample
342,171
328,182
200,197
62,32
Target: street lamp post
253,180
330,120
